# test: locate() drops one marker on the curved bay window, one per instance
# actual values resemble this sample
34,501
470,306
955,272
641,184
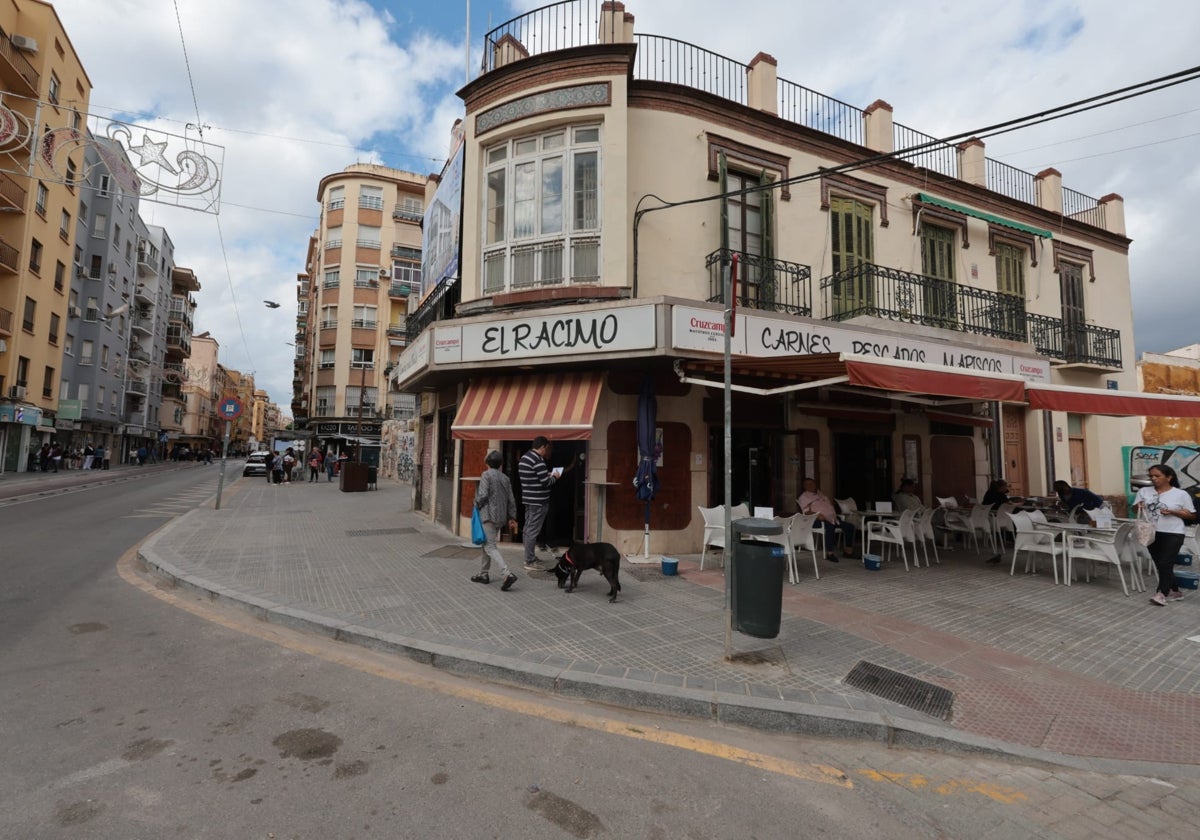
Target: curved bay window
541,223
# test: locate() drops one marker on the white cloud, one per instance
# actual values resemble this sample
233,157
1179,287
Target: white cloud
299,90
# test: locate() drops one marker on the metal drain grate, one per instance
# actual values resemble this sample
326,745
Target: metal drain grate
901,688
380,532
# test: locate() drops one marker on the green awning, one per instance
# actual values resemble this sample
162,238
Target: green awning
987,217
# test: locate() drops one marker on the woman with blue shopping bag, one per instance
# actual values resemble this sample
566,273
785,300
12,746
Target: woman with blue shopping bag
495,506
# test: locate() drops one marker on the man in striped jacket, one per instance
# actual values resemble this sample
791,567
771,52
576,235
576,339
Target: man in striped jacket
536,481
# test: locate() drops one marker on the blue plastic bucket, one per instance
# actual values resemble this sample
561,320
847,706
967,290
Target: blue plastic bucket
670,566
872,562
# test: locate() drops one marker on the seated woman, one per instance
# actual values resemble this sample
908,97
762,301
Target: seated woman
906,497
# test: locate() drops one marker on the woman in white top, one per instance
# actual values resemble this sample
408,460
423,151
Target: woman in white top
1169,508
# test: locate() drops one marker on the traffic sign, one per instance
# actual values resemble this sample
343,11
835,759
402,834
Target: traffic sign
230,408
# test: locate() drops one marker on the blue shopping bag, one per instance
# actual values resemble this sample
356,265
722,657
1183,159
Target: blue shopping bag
477,535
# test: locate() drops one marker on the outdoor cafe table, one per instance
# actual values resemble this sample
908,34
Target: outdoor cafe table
1068,528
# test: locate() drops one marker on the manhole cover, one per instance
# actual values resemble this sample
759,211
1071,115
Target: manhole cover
901,688
380,532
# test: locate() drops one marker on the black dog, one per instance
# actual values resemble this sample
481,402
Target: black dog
600,556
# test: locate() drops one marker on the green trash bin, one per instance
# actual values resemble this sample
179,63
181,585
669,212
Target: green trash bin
757,568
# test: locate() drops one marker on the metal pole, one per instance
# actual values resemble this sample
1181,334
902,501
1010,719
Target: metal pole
729,316
221,472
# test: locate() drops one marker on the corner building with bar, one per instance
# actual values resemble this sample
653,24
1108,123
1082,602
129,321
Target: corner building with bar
936,315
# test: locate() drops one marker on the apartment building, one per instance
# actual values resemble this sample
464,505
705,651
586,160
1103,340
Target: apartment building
363,266
936,315
45,93
204,383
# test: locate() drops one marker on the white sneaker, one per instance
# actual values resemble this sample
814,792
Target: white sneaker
1158,600
1175,596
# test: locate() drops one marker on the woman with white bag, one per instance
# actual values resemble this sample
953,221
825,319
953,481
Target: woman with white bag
1169,508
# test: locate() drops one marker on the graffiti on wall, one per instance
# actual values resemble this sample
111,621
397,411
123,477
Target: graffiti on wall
1183,458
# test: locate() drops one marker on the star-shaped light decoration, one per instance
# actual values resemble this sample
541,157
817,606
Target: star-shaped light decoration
153,153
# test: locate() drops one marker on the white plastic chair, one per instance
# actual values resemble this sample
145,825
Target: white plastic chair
979,522
784,538
1111,548
714,531
1033,542
947,501
714,528
923,525
891,533
805,535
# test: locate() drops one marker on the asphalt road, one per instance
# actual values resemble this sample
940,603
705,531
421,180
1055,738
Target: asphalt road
134,711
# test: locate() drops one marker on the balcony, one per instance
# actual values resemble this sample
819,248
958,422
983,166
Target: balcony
1085,345
6,319
143,293
10,258
138,354
15,68
12,195
770,285
143,324
136,385
146,264
402,289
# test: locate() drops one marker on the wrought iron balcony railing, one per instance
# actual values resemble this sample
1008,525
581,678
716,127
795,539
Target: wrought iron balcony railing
895,295
762,283
1075,343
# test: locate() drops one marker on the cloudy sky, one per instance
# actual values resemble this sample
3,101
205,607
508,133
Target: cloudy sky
295,90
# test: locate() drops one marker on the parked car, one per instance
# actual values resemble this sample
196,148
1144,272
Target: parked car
259,463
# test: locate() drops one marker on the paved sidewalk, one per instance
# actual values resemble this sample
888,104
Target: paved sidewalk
1077,675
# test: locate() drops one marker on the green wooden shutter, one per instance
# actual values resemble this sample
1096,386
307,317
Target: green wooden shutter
768,291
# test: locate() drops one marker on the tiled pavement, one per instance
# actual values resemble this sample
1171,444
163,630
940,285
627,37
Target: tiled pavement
1081,675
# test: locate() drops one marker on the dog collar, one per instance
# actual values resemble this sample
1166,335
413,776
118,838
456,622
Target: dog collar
567,557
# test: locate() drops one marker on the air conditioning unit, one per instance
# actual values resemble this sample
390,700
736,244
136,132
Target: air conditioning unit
73,312
17,392
24,42
79,271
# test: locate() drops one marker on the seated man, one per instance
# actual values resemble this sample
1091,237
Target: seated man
813,500
1073,497
906,497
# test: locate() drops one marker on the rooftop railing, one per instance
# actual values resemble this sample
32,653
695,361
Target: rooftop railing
934,155
1010,181
661,59
559,26
822,113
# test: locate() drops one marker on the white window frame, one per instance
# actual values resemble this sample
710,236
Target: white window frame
542,255
370,197
328,359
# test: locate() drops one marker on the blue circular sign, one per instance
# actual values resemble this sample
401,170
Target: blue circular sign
230,408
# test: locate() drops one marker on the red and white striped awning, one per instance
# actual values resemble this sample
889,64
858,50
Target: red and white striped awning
561,406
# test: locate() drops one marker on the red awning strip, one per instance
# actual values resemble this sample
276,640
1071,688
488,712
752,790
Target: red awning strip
912,378
1111,403
561,406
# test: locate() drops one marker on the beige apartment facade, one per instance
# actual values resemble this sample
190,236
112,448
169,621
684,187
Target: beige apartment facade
362,267
940,316
45,98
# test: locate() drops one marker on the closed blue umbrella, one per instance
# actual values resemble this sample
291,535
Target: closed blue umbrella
646,479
